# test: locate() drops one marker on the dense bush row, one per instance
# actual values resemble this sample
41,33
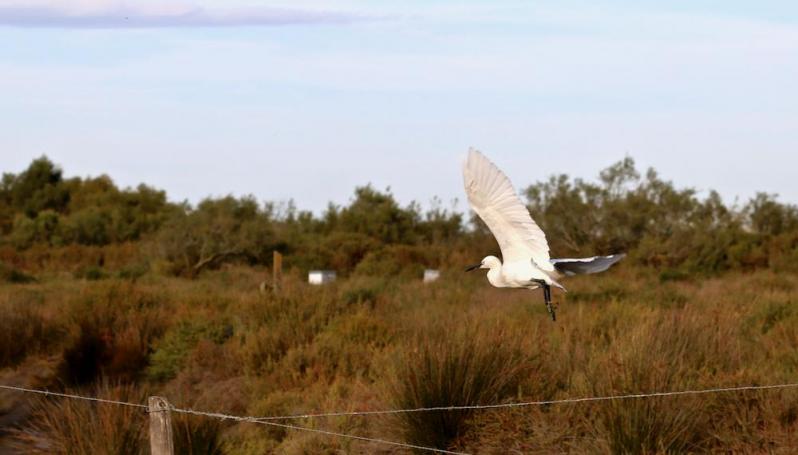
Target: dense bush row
658,224
661,225
39,206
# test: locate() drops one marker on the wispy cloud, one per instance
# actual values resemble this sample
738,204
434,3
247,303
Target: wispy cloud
122,14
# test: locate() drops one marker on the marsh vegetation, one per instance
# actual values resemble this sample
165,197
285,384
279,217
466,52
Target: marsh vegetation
120,293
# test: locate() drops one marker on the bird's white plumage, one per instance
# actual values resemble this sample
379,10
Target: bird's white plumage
524,247
494,199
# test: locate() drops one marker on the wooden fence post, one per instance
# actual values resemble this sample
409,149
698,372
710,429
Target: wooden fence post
277,270
160,427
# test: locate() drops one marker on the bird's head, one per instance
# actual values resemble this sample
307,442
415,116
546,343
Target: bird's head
489,262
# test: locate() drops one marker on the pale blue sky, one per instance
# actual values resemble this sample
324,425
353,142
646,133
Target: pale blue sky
307,99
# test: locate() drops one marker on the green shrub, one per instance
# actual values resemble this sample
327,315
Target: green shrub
43,228
376,215
216,232
40,187
403,261
90,226
171,350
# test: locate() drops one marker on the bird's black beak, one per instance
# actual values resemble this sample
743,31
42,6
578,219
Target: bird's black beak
473,267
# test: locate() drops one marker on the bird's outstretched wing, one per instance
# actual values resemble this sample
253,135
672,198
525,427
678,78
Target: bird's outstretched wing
595,264
493,198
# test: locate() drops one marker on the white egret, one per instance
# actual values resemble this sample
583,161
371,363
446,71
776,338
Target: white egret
523,244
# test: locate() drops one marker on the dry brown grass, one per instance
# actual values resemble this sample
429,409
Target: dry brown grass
469,366
26,326
62,426
228,347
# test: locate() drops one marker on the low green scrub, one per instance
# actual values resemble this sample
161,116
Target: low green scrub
171,350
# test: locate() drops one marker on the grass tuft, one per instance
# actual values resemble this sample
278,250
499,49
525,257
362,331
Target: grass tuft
74,427
469,367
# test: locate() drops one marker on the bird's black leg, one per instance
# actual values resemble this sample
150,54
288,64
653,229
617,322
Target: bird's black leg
547,298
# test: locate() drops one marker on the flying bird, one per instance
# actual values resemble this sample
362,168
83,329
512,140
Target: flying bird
523,244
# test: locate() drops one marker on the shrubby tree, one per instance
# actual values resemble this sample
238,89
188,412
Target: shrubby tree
44,228
100,213
218,230
357,237
40,187
40,206
394,261
657,223
376,215
440,225
769,217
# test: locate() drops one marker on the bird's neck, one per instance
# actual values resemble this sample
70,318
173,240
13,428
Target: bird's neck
495,277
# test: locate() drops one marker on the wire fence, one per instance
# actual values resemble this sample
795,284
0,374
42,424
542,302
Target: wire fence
272,420
532,403
74,397
313,430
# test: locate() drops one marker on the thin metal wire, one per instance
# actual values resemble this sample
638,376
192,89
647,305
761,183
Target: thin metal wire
228,417
76,397
530,403
313,430
270,420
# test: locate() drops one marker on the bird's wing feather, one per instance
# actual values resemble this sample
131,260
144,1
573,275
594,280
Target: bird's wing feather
495,201
595,264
